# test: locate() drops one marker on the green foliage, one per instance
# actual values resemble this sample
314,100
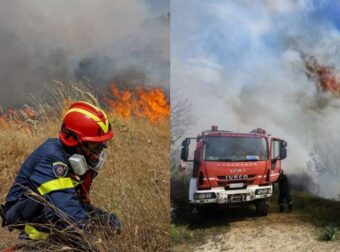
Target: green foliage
318,211
180,234
329,233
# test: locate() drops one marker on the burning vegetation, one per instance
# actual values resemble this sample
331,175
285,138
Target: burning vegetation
22,119
151,104
324,75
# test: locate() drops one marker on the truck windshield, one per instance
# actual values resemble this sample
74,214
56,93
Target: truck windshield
235,149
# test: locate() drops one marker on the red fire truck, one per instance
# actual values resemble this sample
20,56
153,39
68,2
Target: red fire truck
231,168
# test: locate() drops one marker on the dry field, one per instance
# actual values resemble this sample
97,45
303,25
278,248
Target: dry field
134,183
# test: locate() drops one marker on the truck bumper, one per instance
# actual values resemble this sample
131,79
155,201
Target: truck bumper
222,196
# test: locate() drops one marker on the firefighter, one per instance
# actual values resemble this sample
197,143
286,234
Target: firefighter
284,192
53,183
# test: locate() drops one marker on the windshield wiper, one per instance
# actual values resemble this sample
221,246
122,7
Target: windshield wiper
225,160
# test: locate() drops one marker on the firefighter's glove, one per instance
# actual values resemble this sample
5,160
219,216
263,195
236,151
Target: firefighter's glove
115,224
109,221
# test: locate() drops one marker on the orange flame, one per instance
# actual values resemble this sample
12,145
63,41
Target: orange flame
122,104
18,119
324,75
151,104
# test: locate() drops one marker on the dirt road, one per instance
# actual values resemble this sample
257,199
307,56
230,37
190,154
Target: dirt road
275,232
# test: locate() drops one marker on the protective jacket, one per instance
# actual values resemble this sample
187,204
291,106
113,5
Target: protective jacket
46,172
283,184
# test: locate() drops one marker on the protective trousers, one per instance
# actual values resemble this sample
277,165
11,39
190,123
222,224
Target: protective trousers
284,197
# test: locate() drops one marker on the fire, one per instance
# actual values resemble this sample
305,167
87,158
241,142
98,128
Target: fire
151,104
122,103
324,75
23,119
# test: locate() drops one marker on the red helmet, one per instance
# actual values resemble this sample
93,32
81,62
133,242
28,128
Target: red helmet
84,122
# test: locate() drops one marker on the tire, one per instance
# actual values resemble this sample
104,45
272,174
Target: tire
262,207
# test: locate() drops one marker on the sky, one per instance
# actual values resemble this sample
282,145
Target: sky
329,10
209,27
240,64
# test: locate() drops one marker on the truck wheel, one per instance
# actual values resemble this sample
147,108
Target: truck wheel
262,207
194,215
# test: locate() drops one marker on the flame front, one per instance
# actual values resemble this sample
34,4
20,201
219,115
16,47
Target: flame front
151,104
23,119
324,75
122,102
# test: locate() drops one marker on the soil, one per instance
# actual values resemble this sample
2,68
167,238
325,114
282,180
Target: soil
275,232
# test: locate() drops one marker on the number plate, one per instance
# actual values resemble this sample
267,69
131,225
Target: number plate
236,185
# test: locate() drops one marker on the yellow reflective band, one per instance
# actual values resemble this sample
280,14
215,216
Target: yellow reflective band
55,185
104,126
34,234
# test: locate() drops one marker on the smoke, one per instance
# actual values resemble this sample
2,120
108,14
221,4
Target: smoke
79,40
247,70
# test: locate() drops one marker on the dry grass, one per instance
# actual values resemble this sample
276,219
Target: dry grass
134,183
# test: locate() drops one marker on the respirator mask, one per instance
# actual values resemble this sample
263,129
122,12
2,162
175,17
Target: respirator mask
92,157
98,165
80,165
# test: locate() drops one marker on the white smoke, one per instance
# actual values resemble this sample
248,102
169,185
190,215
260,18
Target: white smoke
245,70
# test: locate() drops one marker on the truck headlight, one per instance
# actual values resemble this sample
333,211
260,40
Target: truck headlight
263,191
201,196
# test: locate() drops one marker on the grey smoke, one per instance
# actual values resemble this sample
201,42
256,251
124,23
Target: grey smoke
78,40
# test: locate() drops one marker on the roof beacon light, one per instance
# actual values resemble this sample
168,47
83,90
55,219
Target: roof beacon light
258,131
214,128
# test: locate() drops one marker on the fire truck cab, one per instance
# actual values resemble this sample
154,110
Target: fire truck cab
231,168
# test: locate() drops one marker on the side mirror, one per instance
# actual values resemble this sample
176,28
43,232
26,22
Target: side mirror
185,152
283,143
283,152
186,142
